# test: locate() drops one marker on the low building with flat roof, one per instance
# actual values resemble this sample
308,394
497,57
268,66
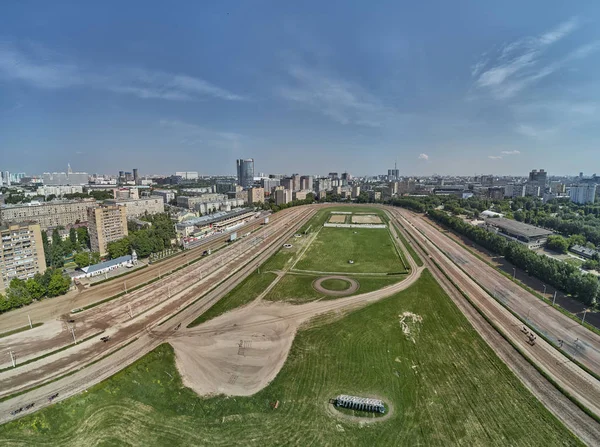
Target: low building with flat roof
530,235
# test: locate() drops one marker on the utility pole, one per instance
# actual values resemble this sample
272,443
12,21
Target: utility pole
554,300
30,325
544,291
125,286
584,313
12,358
73,334
514,272
130,311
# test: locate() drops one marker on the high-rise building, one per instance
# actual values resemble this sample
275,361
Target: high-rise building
333,175
256,195
355,191
296,182
538,178
269,183
306,183
583,193
283,196
135,176
288,183
245,172
66,178
106,223
21,252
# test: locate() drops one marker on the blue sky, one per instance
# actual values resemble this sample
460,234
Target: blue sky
442,87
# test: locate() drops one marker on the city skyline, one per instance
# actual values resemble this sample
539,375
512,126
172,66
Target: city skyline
458,92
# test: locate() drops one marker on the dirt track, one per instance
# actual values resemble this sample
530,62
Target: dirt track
273,327
319,288
569,376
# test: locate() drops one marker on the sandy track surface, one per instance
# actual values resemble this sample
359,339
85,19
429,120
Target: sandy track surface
586,428
240,352
237,259
365,219
59,307
569,376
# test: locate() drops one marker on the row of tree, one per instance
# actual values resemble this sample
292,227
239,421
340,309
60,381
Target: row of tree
22,292
56,249
563,276
146,240
270,204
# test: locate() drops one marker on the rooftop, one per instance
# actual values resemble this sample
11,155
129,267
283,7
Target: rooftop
106,264
518,228
212,218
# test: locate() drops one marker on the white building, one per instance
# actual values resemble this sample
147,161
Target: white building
513,191
140,207
59,191
583,193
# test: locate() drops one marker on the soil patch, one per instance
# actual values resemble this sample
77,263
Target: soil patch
328,281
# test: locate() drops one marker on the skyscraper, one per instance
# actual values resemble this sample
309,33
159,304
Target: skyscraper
245,172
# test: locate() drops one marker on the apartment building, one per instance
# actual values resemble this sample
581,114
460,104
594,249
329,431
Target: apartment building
50,214
21,252
256,195
106,223
140,207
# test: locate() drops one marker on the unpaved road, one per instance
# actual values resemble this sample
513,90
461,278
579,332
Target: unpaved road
581,385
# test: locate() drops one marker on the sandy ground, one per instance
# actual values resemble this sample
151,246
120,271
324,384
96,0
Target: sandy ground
366,219
337,218
240,352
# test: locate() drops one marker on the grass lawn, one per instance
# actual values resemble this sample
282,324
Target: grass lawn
297,289
445,388
243,293
335,284
372,251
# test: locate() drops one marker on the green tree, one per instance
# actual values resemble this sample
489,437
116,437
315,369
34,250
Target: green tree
83,237
576,239
557,243
59,284
82,259
119,248
36,289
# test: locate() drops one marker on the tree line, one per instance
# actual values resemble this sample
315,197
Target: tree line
563,276
146,240
22,292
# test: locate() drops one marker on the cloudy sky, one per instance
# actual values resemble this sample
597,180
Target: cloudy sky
442,87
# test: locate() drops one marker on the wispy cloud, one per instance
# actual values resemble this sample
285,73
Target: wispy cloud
511,152
524,62
43,70
504,154
423,157
190,134
340,100
495,157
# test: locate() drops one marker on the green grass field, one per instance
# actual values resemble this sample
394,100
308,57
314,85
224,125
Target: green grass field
335,284
297,289
372,251
445,388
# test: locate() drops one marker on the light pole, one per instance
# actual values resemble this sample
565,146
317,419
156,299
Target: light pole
12,358
584,313
514,272
73,334
30,325
528,312
130,311
554,300
125,286
544,291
